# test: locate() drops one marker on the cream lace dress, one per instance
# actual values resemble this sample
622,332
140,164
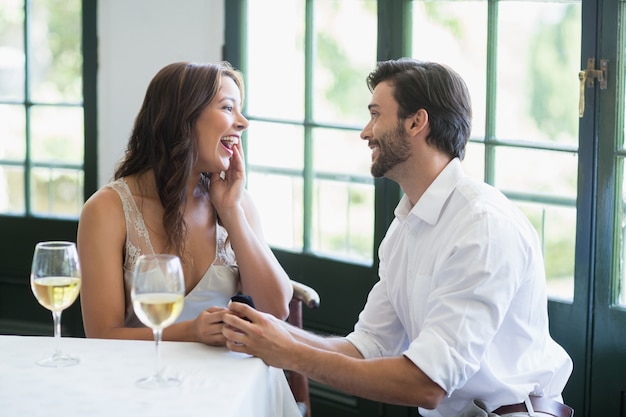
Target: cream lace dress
219,283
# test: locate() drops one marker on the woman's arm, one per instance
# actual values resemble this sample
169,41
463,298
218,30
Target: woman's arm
101,239
262,277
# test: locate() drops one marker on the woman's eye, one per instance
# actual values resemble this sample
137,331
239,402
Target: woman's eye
229,108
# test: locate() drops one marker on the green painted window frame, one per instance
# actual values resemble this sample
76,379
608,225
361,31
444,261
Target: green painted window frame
394,41
88,166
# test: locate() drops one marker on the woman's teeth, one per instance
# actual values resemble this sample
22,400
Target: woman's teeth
230,141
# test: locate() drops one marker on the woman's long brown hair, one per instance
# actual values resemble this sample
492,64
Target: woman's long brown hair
164,138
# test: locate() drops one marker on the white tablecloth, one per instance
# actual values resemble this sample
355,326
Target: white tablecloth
215,381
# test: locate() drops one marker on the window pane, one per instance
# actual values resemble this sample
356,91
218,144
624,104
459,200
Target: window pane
281,211
343,220
275,145
474,161
343,58
11,50
41,113
56,192
556,227
12,190
57,134
287,152
536,171
55,65
341,151
537,97
275,60
13,143
460,28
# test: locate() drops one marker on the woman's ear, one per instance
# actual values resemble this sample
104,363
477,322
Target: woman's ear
417,122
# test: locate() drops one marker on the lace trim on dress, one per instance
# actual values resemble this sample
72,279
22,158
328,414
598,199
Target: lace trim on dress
218,283
137,236
224,254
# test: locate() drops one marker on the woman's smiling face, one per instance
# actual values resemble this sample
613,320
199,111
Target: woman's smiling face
219,128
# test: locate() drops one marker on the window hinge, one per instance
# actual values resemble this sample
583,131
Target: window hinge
588,76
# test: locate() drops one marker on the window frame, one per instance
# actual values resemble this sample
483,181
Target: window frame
88,105
19,311
394,41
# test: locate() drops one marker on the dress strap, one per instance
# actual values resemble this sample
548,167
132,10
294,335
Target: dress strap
224,254
137,235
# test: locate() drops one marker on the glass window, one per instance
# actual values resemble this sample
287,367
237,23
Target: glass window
525,114
307,101
41,106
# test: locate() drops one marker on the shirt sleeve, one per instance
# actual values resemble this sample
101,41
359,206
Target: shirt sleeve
378,332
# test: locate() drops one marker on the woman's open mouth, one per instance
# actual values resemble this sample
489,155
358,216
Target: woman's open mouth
229,141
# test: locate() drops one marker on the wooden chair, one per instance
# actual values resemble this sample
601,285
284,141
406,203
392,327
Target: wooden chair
302,295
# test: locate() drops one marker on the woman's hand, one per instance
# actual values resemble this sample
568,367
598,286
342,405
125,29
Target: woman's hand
226,189
208,326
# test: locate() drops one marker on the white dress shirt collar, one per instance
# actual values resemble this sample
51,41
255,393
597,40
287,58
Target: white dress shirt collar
428,208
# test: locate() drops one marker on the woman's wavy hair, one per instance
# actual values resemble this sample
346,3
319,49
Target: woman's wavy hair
436,88
164,138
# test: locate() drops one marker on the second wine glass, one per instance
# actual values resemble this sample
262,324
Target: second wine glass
158,294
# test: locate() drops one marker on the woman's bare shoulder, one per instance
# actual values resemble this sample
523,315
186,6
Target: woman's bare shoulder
105,201
102,218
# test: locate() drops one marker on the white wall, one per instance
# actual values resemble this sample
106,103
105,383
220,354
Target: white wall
136,38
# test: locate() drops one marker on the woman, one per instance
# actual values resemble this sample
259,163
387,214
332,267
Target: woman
180,189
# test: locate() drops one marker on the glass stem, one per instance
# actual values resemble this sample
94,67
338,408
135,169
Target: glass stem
56,317
158,335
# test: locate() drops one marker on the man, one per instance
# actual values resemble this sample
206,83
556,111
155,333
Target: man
457,324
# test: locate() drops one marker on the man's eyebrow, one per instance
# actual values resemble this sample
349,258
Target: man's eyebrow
371,106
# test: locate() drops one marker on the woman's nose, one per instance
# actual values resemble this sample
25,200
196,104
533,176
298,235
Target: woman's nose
242,123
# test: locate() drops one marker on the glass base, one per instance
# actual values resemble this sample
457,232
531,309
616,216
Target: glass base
157,382
58,361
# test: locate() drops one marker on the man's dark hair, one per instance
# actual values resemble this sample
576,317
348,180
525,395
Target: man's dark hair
435,88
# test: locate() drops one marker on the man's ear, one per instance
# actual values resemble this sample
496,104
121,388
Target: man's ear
417,122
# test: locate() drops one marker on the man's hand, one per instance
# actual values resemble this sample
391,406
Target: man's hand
263,335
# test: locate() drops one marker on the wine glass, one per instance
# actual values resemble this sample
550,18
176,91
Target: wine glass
158,295
55,281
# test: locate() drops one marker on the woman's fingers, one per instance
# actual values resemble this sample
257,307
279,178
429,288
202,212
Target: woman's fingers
208,326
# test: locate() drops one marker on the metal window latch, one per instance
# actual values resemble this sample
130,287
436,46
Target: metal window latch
588,76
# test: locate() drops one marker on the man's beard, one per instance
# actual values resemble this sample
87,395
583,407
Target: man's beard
393,149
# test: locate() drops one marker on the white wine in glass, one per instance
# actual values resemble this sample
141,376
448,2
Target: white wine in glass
55,281
158,295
